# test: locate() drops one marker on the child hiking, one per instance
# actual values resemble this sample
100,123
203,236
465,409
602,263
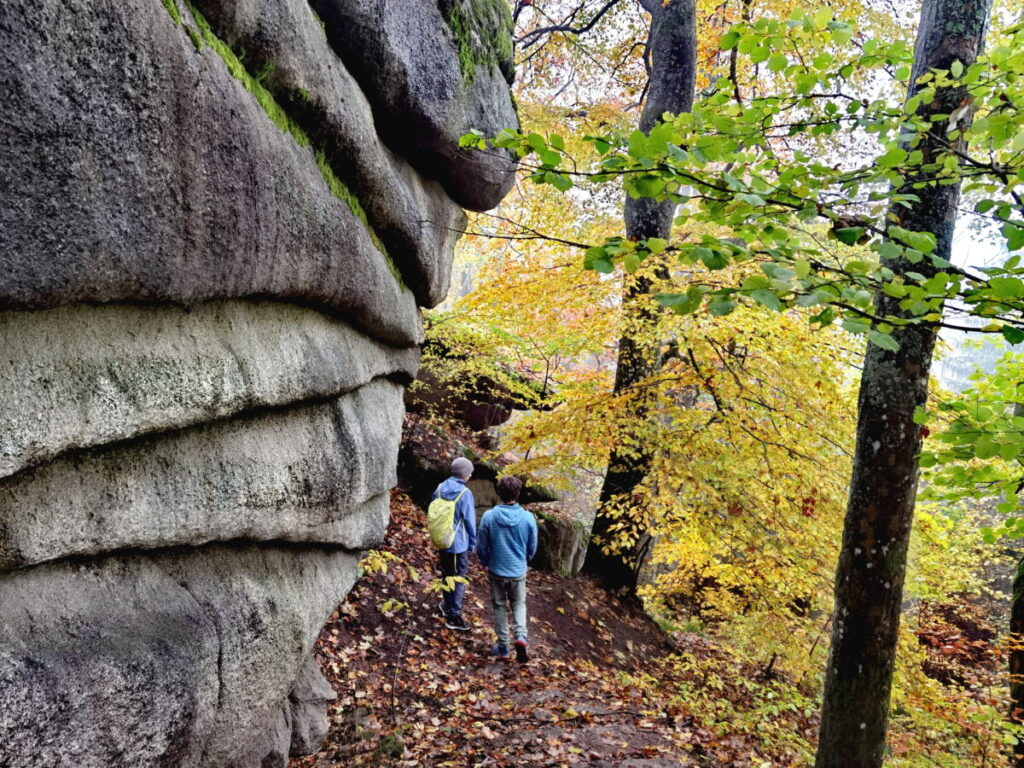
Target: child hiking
506,541
461,535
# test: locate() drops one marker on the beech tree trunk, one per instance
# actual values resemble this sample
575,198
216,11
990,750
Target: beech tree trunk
872,562
1017,658
672,44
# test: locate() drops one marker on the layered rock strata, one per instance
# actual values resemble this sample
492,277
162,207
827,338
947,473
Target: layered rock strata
218,221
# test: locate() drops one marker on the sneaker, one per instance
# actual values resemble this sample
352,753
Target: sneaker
458,623
501,651
521,655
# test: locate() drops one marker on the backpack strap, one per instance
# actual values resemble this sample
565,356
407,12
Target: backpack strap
463,521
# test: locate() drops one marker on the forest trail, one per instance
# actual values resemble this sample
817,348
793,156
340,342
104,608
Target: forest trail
412,693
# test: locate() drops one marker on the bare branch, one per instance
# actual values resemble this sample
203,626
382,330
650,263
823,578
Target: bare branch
534,35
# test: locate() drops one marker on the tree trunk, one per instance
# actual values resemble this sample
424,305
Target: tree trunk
672,44
1017,660
869,578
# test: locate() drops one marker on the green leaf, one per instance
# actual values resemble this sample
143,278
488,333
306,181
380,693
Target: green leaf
721,305
648,186
767,298
729,40
883,340
682,303
656,245
986,447
549,157
850,235
1006,287
778,62
596,257
1014,236
559,181
712,259
822,17
894,157
856,325
1011,334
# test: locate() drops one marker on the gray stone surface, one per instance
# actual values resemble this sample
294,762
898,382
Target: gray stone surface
561,540
178,659
414,217
136,167
307,704
405,56
80,376
297,474
208,306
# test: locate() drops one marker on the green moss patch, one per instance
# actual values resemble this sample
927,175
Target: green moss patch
483,34
172,8
205,35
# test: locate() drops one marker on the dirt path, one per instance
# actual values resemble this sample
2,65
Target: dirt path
412,693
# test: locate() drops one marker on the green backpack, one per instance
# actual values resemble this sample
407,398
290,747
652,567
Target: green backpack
441,521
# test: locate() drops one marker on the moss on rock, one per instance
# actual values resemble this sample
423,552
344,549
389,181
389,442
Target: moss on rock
202,35
483,33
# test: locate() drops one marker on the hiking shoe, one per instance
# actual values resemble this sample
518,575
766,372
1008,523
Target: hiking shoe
521,655
501,651
457,623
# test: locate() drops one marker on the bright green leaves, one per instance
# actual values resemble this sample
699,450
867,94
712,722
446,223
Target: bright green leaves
825,229
1006,287
630,253
979,451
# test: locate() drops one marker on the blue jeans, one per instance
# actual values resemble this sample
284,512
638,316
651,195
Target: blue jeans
512,592
454,565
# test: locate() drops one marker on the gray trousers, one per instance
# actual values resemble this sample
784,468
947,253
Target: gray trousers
504,593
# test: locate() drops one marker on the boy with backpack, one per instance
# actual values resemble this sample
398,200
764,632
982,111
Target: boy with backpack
506,541
451,520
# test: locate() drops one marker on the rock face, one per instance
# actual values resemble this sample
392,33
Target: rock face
218,221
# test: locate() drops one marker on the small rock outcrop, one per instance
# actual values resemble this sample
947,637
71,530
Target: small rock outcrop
218,221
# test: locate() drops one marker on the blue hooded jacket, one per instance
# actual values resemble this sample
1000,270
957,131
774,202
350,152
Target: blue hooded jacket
507,540
465,514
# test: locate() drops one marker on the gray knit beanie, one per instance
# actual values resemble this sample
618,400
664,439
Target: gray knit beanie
462,468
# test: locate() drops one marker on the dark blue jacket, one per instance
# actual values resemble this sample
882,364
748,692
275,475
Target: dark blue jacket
507,540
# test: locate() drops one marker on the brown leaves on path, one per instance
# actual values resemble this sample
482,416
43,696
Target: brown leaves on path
412,693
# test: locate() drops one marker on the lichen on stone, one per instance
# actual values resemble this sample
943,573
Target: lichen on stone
483,33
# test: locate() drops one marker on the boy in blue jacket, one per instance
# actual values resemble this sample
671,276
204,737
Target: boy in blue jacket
506,540
455,559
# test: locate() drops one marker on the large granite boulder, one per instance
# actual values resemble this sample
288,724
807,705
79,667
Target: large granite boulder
218,221
425,97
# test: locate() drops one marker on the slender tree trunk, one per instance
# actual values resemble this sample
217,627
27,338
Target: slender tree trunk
1017,659
872,562
672,44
